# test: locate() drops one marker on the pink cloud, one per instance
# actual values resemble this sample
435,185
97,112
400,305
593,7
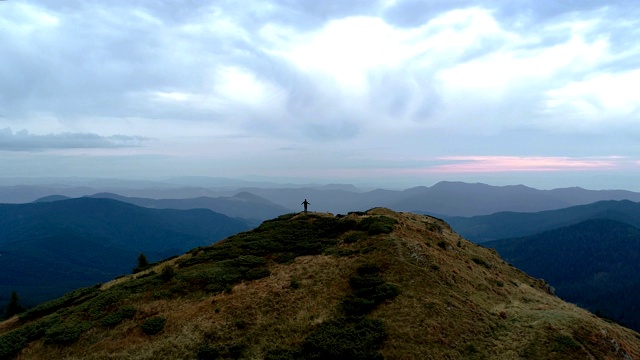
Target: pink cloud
482,164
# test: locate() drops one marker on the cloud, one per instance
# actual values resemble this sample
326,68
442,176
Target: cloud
347,79
24,141
496,164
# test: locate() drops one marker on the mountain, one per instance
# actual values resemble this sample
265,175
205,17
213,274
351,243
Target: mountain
20,194
49,248
593,263
241,205
369,285
445,199
511,224
51,198
463,199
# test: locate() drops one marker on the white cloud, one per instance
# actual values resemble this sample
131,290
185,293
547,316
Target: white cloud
356,78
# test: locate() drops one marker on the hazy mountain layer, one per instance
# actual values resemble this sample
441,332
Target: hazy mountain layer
49,248
593,263
511,224
242,205
444,199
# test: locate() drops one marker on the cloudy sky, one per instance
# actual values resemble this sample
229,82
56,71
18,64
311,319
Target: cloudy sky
389,92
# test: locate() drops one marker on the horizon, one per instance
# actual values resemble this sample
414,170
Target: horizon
228,183
389,93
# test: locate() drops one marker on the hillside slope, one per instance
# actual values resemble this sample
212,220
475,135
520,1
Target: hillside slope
593,263
368,285
50,248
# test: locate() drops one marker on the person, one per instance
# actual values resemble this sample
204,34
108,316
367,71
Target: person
305,203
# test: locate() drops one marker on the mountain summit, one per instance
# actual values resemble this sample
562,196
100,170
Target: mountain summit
368,285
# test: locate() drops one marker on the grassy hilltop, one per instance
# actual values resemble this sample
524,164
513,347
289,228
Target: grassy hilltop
368,285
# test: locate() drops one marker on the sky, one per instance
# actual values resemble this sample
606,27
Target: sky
393,93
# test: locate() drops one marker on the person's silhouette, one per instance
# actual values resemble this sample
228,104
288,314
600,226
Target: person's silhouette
305,203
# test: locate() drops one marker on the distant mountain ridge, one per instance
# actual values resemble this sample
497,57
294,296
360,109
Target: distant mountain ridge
53,247
242,205
443,199
517,224
447,198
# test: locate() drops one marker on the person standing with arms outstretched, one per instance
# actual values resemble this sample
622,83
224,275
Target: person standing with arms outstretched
305,203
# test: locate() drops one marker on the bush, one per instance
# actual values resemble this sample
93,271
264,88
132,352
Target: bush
283,354
482,262
154,325
565,343
167,273
357,306
345,338
11,344
62,302
365,282
117,317
370,290
384,292
257,273
284,258
65,334
241,324
208,352
354,237
237,350
377,225
294,284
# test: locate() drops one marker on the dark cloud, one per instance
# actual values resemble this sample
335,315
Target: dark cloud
24,141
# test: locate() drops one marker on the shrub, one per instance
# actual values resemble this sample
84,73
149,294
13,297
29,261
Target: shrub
167,273
11,344
62,302
377,225
257,273
283,354
284,258
565,343
65,334
249,261
364,282
345,338
237,350
482,262
208,352
154,325
384,292
370,290
241,324
357,306
117,317
354,237
294,284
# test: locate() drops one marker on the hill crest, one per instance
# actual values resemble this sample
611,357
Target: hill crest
303,286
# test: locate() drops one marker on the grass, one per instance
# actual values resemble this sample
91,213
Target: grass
288,285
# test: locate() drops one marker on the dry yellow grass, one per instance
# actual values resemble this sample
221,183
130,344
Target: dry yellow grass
458,300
